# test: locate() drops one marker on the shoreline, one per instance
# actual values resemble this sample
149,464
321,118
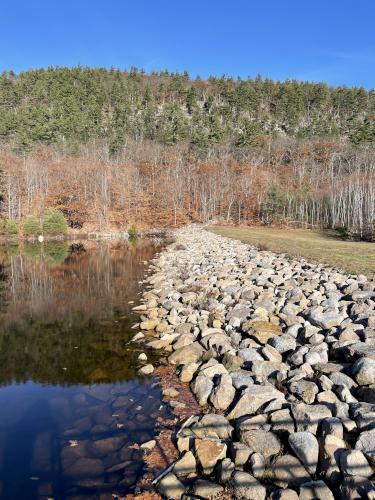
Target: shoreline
280,356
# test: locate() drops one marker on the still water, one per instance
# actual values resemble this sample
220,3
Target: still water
71,403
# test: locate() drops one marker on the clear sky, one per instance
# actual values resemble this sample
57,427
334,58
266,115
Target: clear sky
315,40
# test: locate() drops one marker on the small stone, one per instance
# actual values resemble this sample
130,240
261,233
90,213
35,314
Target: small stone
170,487
146,370
149,445
170,392
150,324
306,447
142,357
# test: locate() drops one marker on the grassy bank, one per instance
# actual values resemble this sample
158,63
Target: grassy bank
319,246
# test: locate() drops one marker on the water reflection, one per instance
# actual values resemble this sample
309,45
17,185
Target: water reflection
71,406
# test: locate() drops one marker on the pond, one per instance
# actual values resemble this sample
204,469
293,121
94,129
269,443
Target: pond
71,403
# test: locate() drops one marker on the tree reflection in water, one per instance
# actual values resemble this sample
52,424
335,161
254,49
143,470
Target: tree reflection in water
70,402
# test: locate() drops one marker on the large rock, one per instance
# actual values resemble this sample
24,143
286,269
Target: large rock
314,490
212,426
85,467
304,389
254,398
366,444
223,394
354,463
353,488
209,452
170,487
308,417
244,486
326,319
262,331
206,489
261,441
241,379
185,465
202,387
364,371
191,353
306,447
287,471
283,343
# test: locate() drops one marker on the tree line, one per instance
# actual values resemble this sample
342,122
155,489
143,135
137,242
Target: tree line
110,148
67,106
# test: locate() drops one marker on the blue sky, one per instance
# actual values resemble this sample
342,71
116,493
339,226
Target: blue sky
315,40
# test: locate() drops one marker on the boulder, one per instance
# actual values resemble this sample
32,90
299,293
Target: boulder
254,398
326,319
306,447
364,371
208,452
261,441
202,387
185,465
366,444
212,426
170,487
314,490
223,394
244,486
287,471
304,389
308,417
354,463
262,331
191,353
206,489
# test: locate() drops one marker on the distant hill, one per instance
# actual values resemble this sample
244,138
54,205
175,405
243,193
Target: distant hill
73,105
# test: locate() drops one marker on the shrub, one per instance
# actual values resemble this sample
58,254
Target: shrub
11,227
31,226
55,252
54,222
133,231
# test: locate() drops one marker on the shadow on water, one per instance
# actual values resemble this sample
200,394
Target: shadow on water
71,404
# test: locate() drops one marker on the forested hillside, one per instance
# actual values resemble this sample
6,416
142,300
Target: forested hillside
111,148
60,105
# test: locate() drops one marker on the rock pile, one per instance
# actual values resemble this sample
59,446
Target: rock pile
280,353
